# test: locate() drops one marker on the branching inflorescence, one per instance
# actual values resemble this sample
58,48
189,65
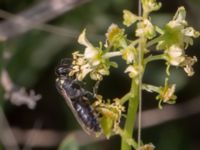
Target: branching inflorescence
171,41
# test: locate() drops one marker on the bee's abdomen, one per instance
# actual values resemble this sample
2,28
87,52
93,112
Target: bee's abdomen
86,114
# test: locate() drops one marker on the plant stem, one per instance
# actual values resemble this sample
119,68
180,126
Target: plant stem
150,88
126,97
2,65
131,115
112,54
153,58
154,41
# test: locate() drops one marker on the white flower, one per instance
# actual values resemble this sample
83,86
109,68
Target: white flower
191,32
176,32
115,36
188,63
168,93
128,54
129,18
178,21
150,5
180,16
90,52
149,146
80,67
99,71
175,51
84,70
175,55
145,29
133,71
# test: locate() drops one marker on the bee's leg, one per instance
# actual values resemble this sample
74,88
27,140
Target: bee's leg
89,95
95,88
75,81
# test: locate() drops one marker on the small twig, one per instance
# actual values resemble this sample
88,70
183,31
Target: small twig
61,31
6,81
51,138
33,17
32,135
16,95
139,119
6,135
153,117
44,27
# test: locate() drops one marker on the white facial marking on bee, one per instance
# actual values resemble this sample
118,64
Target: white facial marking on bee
62,81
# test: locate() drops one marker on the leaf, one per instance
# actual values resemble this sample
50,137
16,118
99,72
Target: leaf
69,144
107,125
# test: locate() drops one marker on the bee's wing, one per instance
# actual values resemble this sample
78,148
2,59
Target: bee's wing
69,103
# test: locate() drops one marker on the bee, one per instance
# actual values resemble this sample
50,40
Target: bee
77,98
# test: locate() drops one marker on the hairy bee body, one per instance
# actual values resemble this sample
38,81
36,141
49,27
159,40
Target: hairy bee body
77,98
86,114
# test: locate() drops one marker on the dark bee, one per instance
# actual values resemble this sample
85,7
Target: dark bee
77,98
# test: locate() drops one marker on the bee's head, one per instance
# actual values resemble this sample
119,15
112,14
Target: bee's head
64,67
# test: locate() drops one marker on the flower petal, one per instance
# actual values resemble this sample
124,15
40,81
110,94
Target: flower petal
129,18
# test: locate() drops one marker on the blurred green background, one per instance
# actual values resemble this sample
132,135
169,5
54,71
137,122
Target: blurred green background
34,54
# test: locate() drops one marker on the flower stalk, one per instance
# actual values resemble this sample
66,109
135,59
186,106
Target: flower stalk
170,42
131,114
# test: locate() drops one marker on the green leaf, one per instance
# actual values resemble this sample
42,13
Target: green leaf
107,125
69,144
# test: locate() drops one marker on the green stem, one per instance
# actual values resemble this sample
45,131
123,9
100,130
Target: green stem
150,88
126,97
133,43
153,58
112,54
154,41
131,115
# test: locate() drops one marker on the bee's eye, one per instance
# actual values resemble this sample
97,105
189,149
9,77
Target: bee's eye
66,62
64,67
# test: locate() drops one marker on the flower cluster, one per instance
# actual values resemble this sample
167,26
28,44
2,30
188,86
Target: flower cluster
176,37
149,6
145,29
188,63
115,37
147,147
129,53
166,95
92,62
171,42
110,114
129,18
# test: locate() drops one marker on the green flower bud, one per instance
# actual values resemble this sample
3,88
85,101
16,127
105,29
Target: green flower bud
115,36
129,18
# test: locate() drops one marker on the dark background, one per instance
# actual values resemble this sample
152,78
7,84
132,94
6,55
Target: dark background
35,53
